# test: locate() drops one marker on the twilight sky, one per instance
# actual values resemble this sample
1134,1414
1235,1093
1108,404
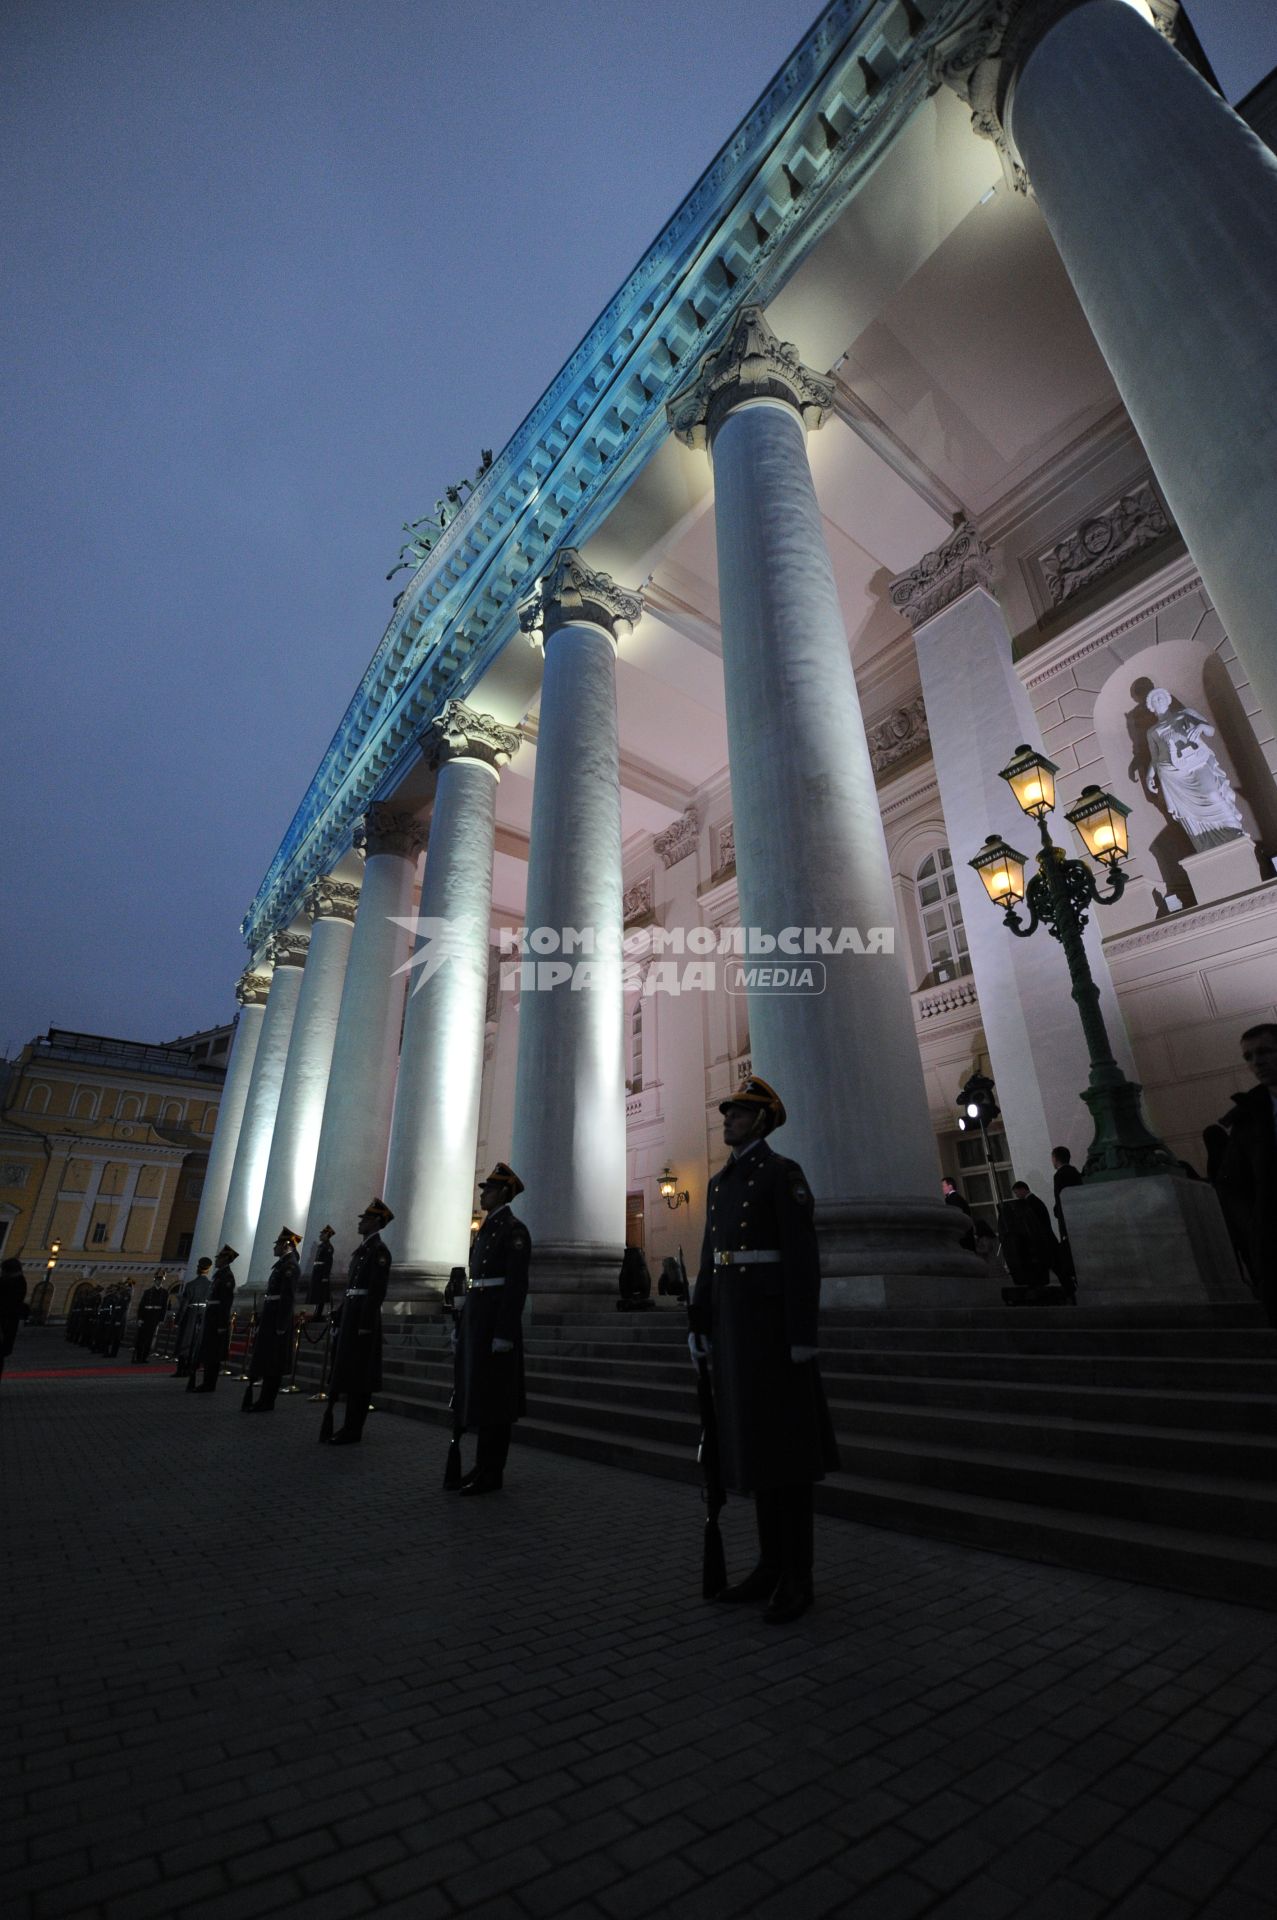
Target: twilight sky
279,269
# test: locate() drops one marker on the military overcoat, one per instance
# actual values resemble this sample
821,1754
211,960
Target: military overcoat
190,1314
356,1362
319,1288
490,1386
215,1334
773,1424
272,1341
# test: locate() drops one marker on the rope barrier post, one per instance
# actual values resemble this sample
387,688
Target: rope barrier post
292,1386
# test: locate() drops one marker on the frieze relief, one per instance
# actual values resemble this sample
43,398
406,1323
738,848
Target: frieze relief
959,563
897,735
724,849
637,902
1108,537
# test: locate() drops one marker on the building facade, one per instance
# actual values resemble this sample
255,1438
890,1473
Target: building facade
103,1151
914,437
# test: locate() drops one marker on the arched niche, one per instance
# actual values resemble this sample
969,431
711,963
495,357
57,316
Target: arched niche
1195,676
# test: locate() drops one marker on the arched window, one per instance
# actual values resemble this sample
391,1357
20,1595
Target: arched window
37,1100
941,912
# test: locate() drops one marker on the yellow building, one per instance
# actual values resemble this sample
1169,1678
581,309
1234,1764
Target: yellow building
103,1149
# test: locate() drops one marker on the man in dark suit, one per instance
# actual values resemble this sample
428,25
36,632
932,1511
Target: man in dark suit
356,1362
1248,1175
489,1356
1029,1246
273,1339
1066,1175
215,1330
753,1317
952,1198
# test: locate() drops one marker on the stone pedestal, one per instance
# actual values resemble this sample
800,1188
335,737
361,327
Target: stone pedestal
1144,1241
1232,867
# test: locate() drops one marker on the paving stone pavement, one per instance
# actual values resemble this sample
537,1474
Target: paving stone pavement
246,1674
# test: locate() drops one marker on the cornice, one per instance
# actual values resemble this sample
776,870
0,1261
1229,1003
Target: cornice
1117,616
774,189
1257,903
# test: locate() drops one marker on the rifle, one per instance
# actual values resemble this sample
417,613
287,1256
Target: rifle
452,1469
713,1560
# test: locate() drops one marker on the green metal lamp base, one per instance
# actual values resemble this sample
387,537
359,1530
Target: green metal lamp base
1123,1147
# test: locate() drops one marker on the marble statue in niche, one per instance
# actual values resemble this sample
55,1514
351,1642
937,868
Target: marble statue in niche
1185,776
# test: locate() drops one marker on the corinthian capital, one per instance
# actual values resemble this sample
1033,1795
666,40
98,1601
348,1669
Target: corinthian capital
288,949
984,50
570,591
252,988
961,563
385,829
459,733
332,900
752,364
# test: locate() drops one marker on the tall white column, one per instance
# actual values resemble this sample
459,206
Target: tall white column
287,954
350,1163
1163,205
978,713
810,850
431,1166
251,991
290,1167
569,1127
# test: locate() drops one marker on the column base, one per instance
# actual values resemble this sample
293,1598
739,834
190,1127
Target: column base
1159,1237
874,1240
568,1277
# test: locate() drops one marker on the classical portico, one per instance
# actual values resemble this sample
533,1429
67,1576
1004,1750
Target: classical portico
901,433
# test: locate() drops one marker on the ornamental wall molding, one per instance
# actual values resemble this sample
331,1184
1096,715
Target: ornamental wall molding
1257,903
570,592
942,576
778,185
752,364
676,842
289,949
1145,602
898,734
1105,537
251,989
638,901
333,900
460,732
383,828
724,849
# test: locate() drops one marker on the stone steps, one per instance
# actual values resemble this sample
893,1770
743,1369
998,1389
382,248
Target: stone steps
1137,1443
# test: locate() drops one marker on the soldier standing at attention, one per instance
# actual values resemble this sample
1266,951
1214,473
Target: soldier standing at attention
215,1334
273,1340
490,1339
753,1315
189,1314
356,1368
319,1291
151,1309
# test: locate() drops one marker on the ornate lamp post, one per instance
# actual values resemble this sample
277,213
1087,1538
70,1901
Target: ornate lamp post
1058,896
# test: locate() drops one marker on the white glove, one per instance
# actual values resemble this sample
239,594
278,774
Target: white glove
800,1354
699,1347
503,1346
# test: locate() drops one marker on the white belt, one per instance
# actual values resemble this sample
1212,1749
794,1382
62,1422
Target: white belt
356,1293
749,1257
477,1286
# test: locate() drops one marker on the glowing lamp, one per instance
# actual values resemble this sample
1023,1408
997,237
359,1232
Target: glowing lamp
1101,822
1002,870
667,1187
1031,778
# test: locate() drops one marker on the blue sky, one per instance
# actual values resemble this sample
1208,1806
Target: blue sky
278,270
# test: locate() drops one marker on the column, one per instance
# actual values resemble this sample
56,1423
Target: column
569,1126
251,991
286,952
978,712
430,1170
1163,205
350,1164
810,851
290,1165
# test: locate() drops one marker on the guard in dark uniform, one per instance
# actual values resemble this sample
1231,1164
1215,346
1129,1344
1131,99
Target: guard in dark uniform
215,1334
319,1290
489,1371
190,1317
356,1362
118,1313
151,1309
753,1315
273,1341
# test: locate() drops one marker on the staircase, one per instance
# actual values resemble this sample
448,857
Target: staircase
1140,1441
